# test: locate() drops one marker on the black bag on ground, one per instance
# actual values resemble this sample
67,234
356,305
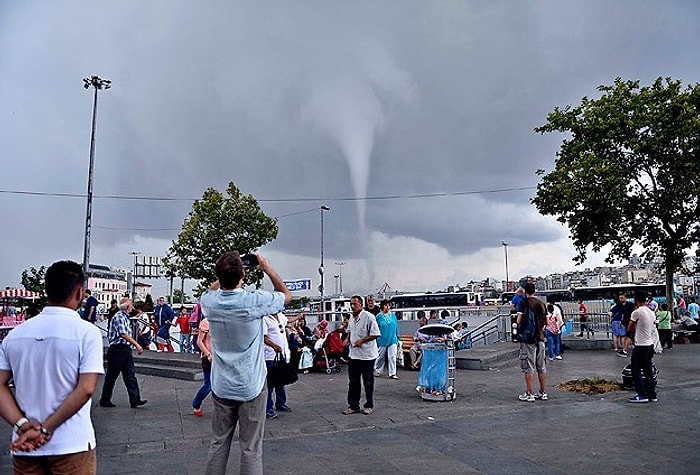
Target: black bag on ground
281,373
628,380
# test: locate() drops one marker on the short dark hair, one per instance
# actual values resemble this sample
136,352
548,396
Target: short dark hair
421,314
229,269
358,297
550,308
385,302
640,296
664,306
529,288
88,291
445,314
61,280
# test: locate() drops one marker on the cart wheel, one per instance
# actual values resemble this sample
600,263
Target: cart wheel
329,371
448,397
338,369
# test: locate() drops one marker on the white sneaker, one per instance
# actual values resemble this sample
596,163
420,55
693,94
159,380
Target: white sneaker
558,357
526,397
541,396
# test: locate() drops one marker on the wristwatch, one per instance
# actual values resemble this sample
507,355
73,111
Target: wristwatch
19,424
45,431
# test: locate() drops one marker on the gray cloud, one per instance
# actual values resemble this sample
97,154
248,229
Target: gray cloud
322,100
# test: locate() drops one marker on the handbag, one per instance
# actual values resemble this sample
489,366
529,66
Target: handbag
280,373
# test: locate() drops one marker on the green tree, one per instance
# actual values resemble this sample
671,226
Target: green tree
34,279
217,224
178,297
627,173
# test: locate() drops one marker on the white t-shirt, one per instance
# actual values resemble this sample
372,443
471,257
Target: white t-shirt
46,355
275,331
359,327
644,327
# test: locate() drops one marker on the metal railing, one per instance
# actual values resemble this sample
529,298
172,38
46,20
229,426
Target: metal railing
498,325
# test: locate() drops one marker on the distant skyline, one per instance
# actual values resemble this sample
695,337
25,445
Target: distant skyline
412,121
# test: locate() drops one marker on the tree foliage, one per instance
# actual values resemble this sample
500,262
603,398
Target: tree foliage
34,279
178,297
217,224
627,173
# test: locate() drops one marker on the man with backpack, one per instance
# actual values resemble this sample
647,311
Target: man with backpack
530,325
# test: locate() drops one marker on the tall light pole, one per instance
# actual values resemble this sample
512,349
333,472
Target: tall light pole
98,83
320,268
133,277
505,249
340,275
335,276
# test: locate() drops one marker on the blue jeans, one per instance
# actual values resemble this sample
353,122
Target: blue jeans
185,343
553,344
280,395
204,390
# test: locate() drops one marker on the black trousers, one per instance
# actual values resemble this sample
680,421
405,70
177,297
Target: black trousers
120,360
666,337
641,364
364,370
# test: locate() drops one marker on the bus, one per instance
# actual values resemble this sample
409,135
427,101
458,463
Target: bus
436,300
552,295
610,292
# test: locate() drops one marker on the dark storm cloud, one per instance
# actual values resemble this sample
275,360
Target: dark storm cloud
322,100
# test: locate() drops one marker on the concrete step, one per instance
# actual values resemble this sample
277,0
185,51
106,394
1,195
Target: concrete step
496,356
168,371
179,360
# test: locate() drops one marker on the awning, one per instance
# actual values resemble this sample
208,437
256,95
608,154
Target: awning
19,293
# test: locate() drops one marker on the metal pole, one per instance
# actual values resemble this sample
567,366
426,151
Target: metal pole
505,248
340,275
321,269
88,216
133,278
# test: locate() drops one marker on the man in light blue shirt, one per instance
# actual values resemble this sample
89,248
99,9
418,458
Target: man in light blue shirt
238,360
693,309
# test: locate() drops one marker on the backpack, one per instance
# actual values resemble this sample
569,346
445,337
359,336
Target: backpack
527,329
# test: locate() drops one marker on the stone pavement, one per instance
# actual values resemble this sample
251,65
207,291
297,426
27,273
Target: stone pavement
485,430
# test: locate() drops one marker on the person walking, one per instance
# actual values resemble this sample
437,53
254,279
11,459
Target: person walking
119,358
56,359
642,325
238,360
363,332
164,318
387,341
204,345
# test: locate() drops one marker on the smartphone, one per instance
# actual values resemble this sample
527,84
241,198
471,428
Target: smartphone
250,260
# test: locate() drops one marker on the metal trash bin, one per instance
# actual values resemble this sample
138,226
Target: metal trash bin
436,379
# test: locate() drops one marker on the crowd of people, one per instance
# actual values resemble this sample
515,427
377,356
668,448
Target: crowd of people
241,336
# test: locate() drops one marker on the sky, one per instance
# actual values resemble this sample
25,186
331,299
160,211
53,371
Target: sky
413,121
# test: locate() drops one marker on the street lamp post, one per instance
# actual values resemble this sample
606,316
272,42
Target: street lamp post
505,249
320,268
133,277
98,83
335,277
340,275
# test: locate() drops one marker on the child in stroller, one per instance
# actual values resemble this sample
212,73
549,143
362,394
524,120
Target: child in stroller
328,352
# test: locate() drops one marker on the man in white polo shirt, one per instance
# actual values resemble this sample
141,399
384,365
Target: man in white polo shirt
61,354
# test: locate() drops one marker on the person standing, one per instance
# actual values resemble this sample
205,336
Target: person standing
387,341
238,364
363,332
183,320
642,324
532,354
204,344
119,358
681,306
112,310
693,309
164,317
664,318
627,309
418,339
518,297
276,346
583,319
53,431
90,307
371,305
552,332
617,314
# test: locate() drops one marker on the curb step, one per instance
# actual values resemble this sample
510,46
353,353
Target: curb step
169,371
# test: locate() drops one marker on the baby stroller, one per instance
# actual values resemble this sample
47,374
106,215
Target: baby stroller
328,353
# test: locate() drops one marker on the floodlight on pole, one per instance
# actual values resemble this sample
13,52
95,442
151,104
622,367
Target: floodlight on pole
98,83
340,275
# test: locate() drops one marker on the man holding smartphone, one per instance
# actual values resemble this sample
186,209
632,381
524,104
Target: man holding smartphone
238,360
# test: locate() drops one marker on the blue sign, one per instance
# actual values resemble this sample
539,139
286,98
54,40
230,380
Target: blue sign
298,284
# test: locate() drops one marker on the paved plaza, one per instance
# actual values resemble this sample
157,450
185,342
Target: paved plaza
485,430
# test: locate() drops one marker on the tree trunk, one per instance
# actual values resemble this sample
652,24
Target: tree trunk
670,297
